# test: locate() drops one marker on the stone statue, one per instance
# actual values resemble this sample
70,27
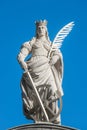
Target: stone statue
43,74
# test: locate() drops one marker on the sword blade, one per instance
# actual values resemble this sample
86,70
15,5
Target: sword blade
37,95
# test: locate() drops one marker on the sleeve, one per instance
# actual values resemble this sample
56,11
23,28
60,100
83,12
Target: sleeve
24,51
55,56
59,65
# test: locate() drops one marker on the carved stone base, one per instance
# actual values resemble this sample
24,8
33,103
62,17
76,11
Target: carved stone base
42,126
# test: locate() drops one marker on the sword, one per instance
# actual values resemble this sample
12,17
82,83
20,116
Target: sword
37,95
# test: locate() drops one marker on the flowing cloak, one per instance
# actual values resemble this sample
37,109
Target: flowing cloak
44,71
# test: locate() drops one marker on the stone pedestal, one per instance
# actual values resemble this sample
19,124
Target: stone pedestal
42,126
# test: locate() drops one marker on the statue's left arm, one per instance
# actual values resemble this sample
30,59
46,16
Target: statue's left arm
55,56
57,61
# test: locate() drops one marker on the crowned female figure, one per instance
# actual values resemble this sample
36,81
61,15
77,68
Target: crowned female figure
46,72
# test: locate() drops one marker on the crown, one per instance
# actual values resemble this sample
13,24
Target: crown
40,23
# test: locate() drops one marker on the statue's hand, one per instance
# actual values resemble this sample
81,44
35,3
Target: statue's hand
51,62
24,65
54,59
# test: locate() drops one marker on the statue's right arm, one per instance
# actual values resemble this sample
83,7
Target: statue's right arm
24,51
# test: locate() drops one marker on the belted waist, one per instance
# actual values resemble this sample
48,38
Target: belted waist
40,53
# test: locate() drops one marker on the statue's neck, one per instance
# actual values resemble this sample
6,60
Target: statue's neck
42,38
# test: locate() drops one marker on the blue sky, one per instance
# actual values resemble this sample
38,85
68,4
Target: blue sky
17,26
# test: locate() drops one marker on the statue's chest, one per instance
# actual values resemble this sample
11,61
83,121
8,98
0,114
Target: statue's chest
41,45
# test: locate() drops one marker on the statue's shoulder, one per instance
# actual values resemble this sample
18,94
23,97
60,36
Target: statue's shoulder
29,44
32,41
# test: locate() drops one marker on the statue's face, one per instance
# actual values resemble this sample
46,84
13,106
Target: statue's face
41,31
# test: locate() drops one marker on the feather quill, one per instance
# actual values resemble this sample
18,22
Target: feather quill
59,38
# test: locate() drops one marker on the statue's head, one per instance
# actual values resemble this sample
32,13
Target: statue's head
41,28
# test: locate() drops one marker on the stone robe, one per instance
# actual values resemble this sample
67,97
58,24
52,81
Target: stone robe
46,73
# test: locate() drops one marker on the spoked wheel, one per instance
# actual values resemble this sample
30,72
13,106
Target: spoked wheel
46,102
54,115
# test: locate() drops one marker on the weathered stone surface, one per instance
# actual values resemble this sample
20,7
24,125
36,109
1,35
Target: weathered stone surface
42,126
